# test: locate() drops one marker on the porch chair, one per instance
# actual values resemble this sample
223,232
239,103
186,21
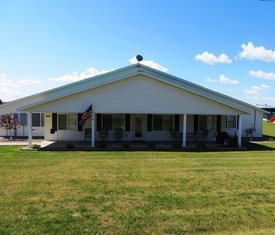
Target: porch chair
103,134
118,132
221,138
175,135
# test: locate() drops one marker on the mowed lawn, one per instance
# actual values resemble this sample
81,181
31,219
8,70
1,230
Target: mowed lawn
137,192
269,129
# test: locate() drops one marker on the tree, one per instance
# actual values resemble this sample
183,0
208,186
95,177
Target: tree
9,123
1,102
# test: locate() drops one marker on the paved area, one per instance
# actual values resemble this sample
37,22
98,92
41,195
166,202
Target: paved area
23,142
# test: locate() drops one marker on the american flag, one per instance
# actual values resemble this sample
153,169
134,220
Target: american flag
86,115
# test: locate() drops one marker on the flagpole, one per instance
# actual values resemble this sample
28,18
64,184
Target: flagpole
85,116
92,131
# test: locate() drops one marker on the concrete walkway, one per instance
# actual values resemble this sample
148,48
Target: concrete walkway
24,142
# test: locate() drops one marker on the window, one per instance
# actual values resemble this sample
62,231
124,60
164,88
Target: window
62,122
15,116
108,122
167,122
72,121
23,119
162,122
67,121
119,121
211,122
202,122
157,122
42,119
207,122
36,119
231,121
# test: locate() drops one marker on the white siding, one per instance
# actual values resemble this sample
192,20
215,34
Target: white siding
61,135
248,123
138,94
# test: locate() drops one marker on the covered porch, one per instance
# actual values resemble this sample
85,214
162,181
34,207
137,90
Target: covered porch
183,130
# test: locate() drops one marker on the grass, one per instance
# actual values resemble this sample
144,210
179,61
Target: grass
136,192
269,129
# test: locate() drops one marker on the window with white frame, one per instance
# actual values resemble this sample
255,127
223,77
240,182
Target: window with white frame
23,119
231,122
211,122
15,117
72,121
111,122
162,122
167,122
67,121
37,119
107,122
207,122
157,122
119,121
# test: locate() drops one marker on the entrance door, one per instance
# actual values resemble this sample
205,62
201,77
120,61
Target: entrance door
138,127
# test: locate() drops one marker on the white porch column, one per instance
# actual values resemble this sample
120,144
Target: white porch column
93,131
29,123
184,117
240,131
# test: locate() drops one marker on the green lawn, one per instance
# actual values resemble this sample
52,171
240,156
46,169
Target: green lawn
269,129
136,192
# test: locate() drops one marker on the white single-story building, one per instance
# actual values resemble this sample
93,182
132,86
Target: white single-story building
135,103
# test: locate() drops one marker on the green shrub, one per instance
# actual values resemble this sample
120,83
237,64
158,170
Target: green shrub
126,145
36,146
201,145
151,145
233,141
176,146
101,144
69,146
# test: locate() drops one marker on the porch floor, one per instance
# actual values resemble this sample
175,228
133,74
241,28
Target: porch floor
134,145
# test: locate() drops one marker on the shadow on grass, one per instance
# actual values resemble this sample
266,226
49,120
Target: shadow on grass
268,138
260,146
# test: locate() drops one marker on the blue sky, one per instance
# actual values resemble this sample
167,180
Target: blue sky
224,45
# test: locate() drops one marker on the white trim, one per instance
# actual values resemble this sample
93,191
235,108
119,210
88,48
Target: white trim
92,131
184,118
29,123
240,131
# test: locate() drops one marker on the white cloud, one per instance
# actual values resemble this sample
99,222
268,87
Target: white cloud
8,94
251,91
211,80
255,92
29,82
268,98
263,75
261,87
257,53
5,82
11,89
211,59
149,63
226,80
76,76
230,89
223,79
265,86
